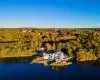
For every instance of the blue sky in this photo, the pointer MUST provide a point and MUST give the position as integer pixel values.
(50, 13)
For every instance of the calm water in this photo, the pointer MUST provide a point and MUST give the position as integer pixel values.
(18, 69)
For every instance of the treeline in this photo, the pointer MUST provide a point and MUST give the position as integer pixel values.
(83, 44)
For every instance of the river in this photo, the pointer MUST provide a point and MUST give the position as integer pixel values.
(18, 69)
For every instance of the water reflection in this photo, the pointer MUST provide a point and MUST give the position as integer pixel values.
(56, 68)
(88, 63)
(13, 60)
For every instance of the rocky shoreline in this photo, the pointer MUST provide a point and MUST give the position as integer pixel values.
(40, 60)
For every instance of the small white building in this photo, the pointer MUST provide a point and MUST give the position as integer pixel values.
(29, 31)
(40, 48)
(24, 31)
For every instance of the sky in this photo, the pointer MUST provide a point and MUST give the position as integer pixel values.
(50, 13)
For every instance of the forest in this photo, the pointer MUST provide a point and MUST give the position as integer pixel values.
(81, 43)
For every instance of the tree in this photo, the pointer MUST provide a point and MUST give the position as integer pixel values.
(54, 46)
(59, 46)
(84, 55)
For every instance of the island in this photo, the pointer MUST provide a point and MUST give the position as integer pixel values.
(51, 58)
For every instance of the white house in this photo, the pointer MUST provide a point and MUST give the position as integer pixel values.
(24, 31)
(55, 56)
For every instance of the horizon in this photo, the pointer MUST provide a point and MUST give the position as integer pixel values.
(50, 13)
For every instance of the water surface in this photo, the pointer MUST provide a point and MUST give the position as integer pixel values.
(18, 69)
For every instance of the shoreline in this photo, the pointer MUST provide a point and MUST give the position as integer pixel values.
(15, 56)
